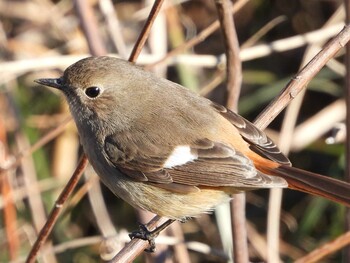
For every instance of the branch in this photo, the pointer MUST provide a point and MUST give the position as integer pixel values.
(140, 42)
(55, 212)
(301, 79)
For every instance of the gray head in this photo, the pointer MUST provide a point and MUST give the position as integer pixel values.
(94, 87)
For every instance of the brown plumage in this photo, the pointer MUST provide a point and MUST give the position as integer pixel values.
(165, 149)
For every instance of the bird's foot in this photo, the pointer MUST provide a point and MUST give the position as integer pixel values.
(145, 234)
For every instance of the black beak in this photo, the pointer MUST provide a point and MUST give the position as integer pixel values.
(54, 83)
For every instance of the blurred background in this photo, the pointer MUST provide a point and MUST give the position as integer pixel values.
(40, 38)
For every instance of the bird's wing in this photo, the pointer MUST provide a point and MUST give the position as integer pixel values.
(183, 168)
(257, 139)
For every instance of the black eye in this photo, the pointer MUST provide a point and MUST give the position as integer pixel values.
(93, 92)
(59, 81)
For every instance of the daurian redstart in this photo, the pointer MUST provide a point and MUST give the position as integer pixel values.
(165, 149)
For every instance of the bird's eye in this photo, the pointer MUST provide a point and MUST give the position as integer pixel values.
(93, 92)
(59, 81)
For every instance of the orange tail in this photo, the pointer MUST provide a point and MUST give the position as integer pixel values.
(315, 184)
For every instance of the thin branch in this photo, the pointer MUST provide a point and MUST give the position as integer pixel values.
(113, 26)
(144, 216)
(40, 143)
(239, 230)
(180, 250)
(55, 212)
(35, 202)
(98, 206)
(90, 27)
(321, 252)
(302, 78)
(200, 37)
(314, 127)
(233, 62)
(234, 81)
(9, 214)
(97, 48)
(140, 42)
(263, 31)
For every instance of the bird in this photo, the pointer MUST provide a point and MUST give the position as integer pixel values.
(165, 149)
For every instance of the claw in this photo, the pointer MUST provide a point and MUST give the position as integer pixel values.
(145, 234)
(150, 236)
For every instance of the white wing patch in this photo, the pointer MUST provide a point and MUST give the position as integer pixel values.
(180, 155)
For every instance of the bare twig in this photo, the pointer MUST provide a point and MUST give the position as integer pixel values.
(146, 30)
(97, 48)
(218, 77)
(200, 37)
(113, 26)
(90, 28)
(9, 216)
(303, 78)
(99, 208)
(239, 230)
(234, 80)
(233, 62)
(321, 252)
(55, 212)
(40, 143)
(263, 31)
(180, 250)
(144, 216)
(314, 127)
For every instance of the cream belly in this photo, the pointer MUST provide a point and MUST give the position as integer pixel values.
(168, 204)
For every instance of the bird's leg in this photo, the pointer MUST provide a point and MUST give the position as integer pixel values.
(145, 234)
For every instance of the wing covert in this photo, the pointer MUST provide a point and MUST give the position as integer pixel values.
(258, 140)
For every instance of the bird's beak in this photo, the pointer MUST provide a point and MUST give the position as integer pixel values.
(54, 83)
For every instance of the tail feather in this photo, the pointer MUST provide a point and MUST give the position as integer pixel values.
(327, 187)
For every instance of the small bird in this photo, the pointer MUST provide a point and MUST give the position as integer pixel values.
(165, 149)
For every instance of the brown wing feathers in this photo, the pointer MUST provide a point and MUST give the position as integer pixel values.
(297, 179)
(259, 142)
(217, 164)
